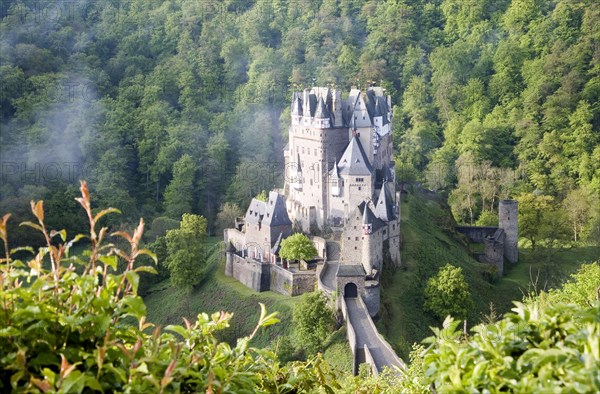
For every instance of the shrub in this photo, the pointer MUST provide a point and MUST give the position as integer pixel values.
(75, 323)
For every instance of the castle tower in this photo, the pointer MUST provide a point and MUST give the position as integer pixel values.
(508, 215)
(229, 259)
(367, 230)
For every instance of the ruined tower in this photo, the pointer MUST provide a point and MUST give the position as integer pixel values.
(508, 214)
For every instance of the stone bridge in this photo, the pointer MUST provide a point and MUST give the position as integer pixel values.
(367, 345)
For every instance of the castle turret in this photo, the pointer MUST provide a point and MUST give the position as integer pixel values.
(338, 121)
(229, 252)
(367, 230)
(508, 215)
(322, 116)
(306, 104)
(297, 109)
(335, 180)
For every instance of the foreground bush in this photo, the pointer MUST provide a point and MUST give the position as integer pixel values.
(76, 324)
(542, 347)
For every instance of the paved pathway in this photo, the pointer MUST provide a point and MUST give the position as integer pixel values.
(366, 334)
(328, 278)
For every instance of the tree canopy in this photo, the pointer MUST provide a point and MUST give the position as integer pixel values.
(297, 247)
(447, 293)
(186, 257)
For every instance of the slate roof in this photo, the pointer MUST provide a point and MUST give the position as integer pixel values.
(276, 213)
(368, 217)
(385, 206)
(335, 172)
(255, 212)
(354, 160)
(322, 112)
(297, 104)
(346, 270)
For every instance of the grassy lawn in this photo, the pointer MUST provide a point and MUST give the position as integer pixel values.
(428, 243)
(217, 292)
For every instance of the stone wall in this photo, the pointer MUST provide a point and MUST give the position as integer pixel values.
(476, 234)
(350, 334)
(320, 245)
(494, 250)
(291, 283)
(372, 297)
(250, 273)
(236, 237)
(369, 360)
(263, 276)
(508, 217)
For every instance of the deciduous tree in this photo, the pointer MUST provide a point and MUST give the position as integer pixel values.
(186, 259)
(297, 247)
(447, 293)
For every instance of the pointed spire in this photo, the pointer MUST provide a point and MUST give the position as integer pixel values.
(384, 209)
(335, 172)
(378, 110)
(297, 104)
(367, 220)
(322, 112)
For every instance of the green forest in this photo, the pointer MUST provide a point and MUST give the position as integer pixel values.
(168, 107)
(177, 111)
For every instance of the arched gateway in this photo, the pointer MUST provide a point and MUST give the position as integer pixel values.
(350, 290)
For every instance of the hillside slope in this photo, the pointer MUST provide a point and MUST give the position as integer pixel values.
(428, 243)
(217, 292)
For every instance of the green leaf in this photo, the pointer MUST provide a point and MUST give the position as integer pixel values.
(149, 253)
(104, 212)
(134, 306)
(145, 268)
(134, 280)
(62, 233)
(111, 261)
(32, 225)
(267, 320)
(179, 330)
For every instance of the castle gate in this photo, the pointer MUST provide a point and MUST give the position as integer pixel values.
(350, 290)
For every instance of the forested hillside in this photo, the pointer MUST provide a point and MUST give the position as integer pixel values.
(177, 106)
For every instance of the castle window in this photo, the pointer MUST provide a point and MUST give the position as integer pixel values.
(348, 238)
(360, 179)
(302, 150)
(355, 248)
(359, 188)
(355, 227)
(356, 238)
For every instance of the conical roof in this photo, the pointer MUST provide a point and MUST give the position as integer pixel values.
(385, 208)
(354, 160)
(297, 104)
(322, 112)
